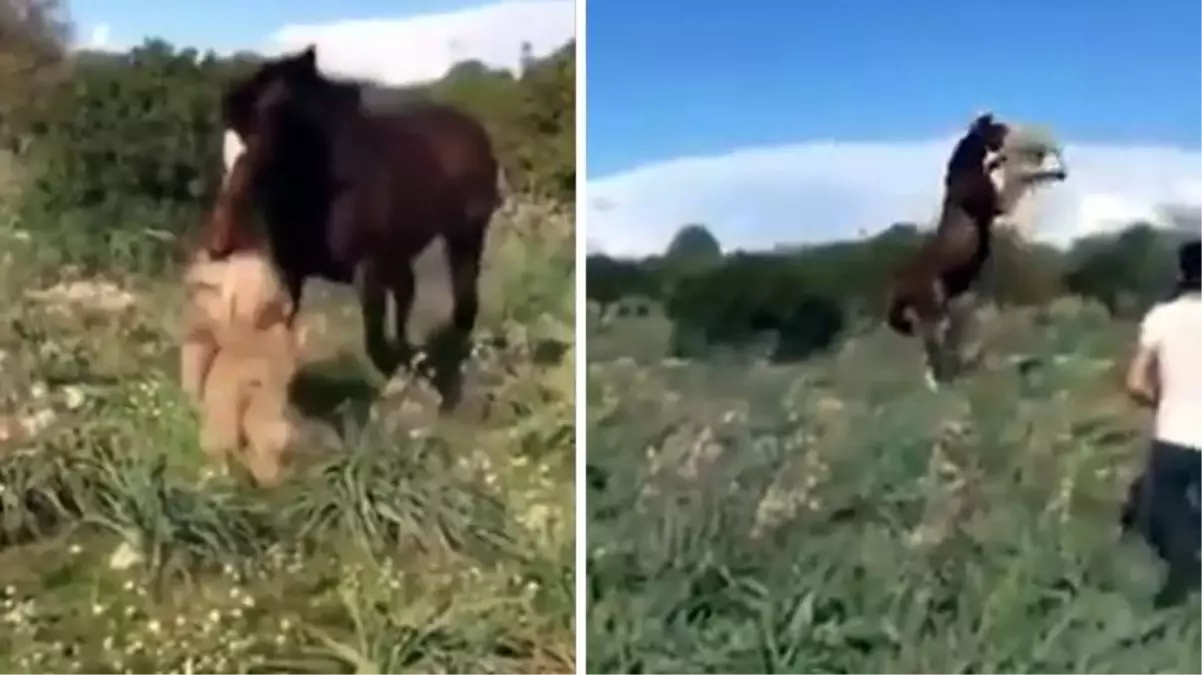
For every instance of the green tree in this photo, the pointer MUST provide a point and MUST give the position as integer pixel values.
(746, 295)
(548, 122)
(694, 244)
(1125, 272)
(33, 46)
(608, 280)
(129, 143)
(531, 116)
(1022, 273)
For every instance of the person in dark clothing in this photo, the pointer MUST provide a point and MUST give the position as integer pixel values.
(1162, 504)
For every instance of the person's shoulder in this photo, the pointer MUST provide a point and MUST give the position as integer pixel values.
(1158, 310)
(1182, 308)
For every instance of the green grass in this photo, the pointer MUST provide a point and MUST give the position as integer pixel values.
(401, 542)
(836, 516)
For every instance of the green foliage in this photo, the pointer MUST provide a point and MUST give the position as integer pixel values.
(806, 294)
(532, 118)
(1127, 273)
(1023, 274)
(130, 145)
(33, 40)
(749, 294)
(610, 279)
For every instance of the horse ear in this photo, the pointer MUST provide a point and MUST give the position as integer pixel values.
(308, 58)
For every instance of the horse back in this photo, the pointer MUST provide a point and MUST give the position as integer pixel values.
(441, 156)
(390, 180)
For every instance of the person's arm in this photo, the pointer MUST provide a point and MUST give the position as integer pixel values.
(1143, 384)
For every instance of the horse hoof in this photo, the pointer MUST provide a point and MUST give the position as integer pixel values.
(973, 361)
(931, 382)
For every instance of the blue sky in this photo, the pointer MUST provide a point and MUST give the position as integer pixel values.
(674, 77)
(234, 24)
(392, 41)
(803, 121)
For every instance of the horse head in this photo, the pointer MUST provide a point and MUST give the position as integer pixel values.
(284, 100)
(267, 88)
(1033, 160)
(994, 133)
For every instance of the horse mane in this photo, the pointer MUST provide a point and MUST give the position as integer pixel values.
(312, 93)
(327, 101)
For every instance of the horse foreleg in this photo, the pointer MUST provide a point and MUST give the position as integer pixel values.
(463, 258)
(373, 304)
(402, 285)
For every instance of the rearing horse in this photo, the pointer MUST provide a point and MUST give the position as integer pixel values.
(929, 291)
(353, 196)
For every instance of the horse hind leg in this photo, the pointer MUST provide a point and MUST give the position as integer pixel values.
(932, 327)
(962, 338)
(934, 345)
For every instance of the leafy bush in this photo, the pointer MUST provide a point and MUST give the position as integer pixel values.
(807, 296)
(748, 295)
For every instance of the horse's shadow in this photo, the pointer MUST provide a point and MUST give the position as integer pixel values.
(335, 391)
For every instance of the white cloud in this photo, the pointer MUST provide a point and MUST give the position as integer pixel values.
(407, 49)
(815, 191)
(423, 47)
(99, 37)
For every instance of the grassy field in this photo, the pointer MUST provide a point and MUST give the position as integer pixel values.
(836, 516)
(401, 543)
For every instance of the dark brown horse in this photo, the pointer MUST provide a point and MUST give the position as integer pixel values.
(927, 288)
(931, 293)
(353, 196)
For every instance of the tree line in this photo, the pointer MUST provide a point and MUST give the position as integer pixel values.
(118, 152)
(811, 295)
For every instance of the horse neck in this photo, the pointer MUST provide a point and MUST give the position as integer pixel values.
(330, 107)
